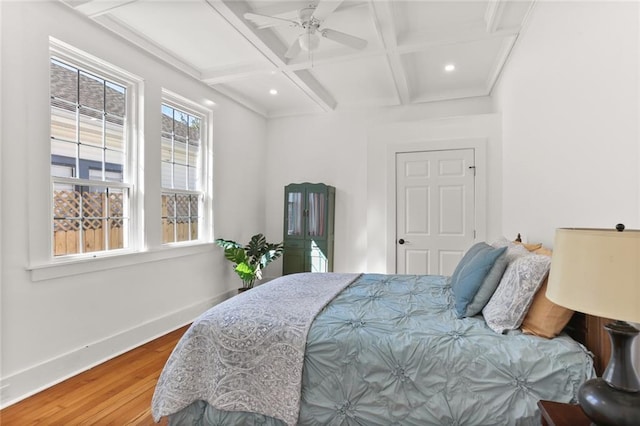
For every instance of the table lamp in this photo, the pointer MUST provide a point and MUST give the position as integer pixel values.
(597, 271)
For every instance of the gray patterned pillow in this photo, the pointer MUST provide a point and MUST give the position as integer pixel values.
(514, 250)
(509, 304)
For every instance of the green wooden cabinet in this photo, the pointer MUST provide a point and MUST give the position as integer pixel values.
(308, 228)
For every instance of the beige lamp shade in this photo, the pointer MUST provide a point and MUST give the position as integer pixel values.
(597, 271)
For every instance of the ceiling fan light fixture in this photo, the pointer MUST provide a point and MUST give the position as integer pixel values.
(309, 41)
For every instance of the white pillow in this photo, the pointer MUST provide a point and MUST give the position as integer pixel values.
(509, 304)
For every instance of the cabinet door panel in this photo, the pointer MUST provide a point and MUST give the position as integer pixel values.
(295, 258)
(294, 214)
(317, 214)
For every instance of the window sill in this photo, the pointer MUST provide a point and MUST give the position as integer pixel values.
(103, 262)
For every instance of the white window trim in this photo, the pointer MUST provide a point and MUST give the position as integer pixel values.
(205, 234)
(42, 265)
(133, 175)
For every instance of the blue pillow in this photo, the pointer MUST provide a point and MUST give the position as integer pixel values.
(473, 250)
(488, 286)
(471, 273)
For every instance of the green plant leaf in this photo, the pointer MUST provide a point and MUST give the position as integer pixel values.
(249, 260)
(235, 254)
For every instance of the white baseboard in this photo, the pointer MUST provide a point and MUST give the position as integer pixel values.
(32, 380)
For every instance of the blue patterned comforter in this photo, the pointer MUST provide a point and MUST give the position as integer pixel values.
(389, 350)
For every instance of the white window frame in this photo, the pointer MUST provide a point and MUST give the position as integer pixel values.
(205, 223)
(101, 69)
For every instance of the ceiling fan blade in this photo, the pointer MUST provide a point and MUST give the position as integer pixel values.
(325, 8)
(294, 49)
(264, 21)
(342, 38)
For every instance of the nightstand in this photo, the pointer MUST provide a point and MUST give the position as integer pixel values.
(560, 414)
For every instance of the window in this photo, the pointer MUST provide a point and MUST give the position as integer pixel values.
(90, 157)
(182, 173)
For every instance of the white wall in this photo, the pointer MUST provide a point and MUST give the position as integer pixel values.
(54, 328)
(570, 102)
(342, 149)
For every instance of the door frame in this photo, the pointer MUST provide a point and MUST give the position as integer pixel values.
(479, 145)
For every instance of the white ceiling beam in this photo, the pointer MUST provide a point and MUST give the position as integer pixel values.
(500, 62)
(237, 72)
(273, 49)
(420, 40)
(493, 14)
(386, 31)
(95, 8)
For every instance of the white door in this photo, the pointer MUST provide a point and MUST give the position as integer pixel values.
(435, 211)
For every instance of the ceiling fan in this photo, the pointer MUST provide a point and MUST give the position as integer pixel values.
(310, 20)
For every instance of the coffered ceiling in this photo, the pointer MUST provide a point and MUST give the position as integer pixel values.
(408, 45)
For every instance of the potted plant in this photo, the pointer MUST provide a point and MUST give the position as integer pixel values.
(251, 259)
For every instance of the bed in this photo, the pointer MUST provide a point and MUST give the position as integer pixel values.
(365, 349)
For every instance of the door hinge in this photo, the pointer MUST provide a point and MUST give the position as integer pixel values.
(474, 169)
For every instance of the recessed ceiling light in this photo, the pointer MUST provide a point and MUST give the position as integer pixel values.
(209, 102)
(449, 67)
(273, 91)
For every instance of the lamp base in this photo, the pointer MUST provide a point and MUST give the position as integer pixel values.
(607, 406)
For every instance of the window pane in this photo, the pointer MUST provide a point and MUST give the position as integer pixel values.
(93, 225)
(194, 155)
(194, 229)
(62, 171)
(180, 125)
(116, 233)
(180, 152)
(182, 205)
(115, 99)
(115, 165)
(195, 203)
(66, 220)
(168, 231)
(166, 199)
(167, 119)
(65, 237)
(63, 121)
(166, 175)
(114, 135)
(179, 176)
(66, 150)
(194, 129)
(90, 127)
(91, 91)
(64, 81)
(166, 148)
(182, 229)
(115, 203)
(66, 202)
(171, 206)
(92, 158)
(194, 183)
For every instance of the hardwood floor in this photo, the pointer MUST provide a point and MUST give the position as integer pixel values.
(117, 392)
